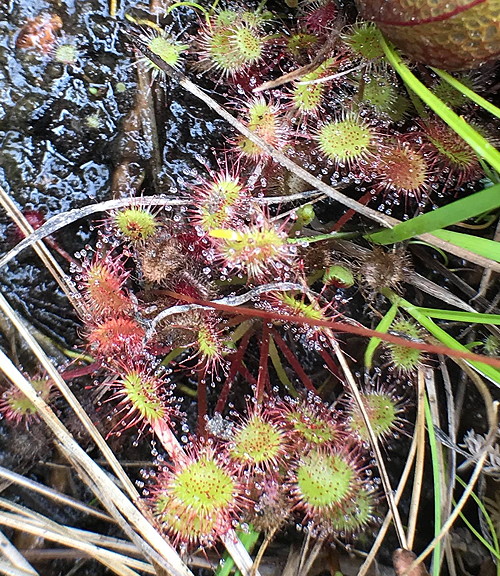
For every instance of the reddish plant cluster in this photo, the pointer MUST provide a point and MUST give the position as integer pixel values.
(151, 292)
(286, 460)
(321, 90)
(228, 296)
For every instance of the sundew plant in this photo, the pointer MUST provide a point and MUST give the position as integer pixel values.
(297, 339)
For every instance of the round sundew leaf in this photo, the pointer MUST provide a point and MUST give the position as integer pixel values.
(136, 223)
(204, 486)
(312, 428)
(143, 393)
(403, 169)
(247, 44)
(355, 513)
(168, 50)
(345, 140)
(382, 411)
(324, 480)
(257, 441)
(186, 525)
(364, 40)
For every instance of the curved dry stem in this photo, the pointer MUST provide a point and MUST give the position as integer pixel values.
(63, 219)
(389, 494)
(106, 488)
(419, 424)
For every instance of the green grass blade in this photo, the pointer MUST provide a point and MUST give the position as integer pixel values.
(436, 478)
(488, 371)
(382, 326)
(463, 209)
(482, 246)
(477, 142)
(495, 548)
(460, 316)
(479, 100)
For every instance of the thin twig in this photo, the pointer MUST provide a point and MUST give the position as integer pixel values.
(419, 436)
(51, 493)
(353, 387)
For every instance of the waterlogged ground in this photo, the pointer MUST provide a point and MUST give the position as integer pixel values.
(64, 132)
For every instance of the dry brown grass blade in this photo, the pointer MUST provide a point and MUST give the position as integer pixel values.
(419, 425)
(42, 251)
(170, 560)
(492, 415)
(389, 494)
(30, 522)
(126, 550)
(52, 494)
(419, 436)
(16, 559)
(10, 570)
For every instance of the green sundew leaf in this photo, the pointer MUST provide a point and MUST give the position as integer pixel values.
(479, 100)
(460, 316)
(382, 326)
(463, 209)
(482, 246)
(477, 142)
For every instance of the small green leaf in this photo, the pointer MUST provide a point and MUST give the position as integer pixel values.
(382, 326)
(463, 209)
(460, 316)
(482, 246)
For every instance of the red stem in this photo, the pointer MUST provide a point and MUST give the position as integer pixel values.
(343, 327)
(243, 370)
(292, 360)
(350, 213)
(331, 364)
(168, 440)
(236, 362)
